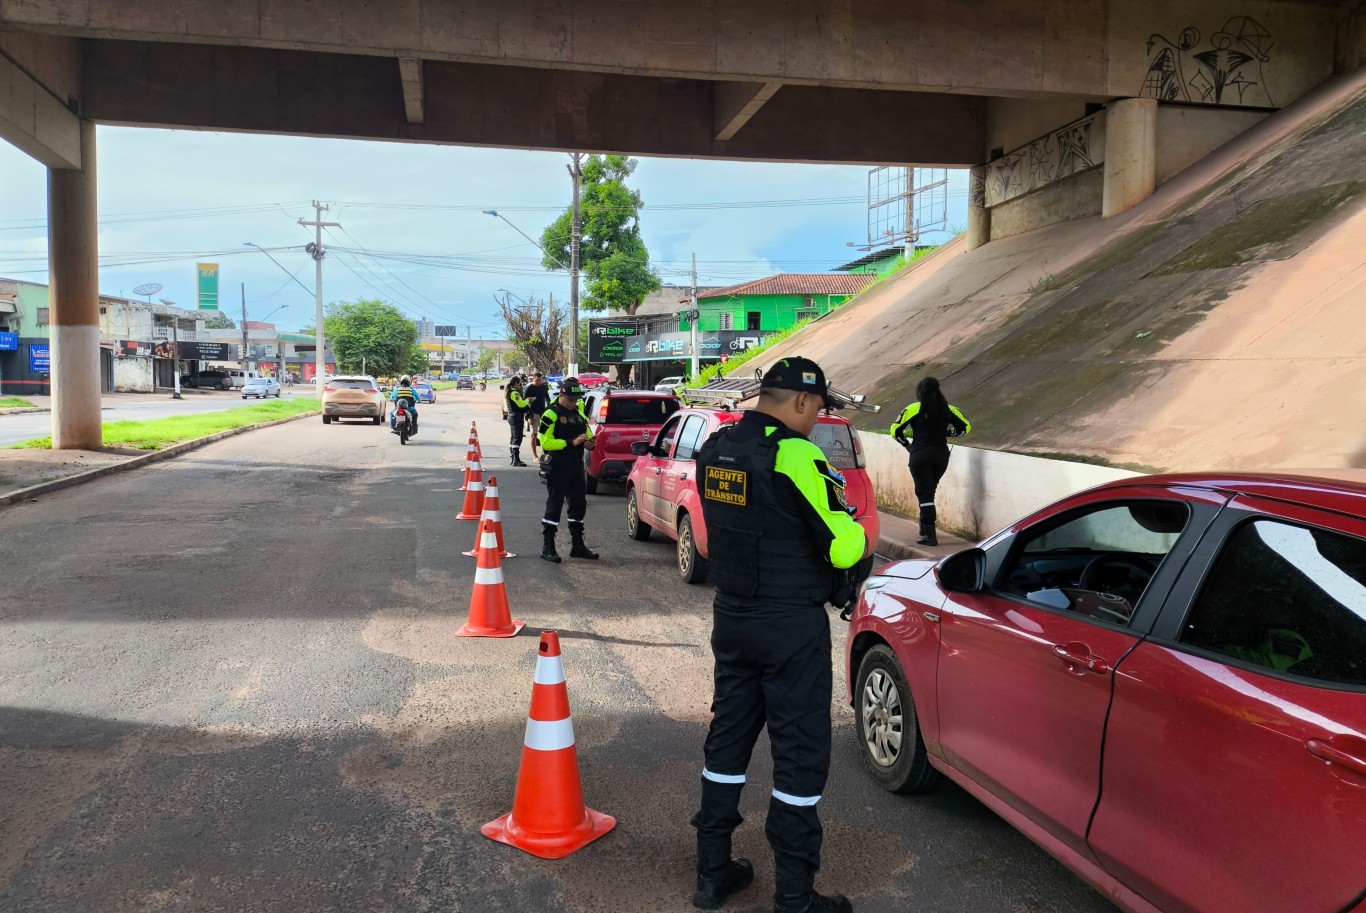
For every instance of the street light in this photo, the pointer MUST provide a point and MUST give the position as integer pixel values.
(573, 366)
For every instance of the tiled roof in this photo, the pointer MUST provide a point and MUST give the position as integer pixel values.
(798, 284)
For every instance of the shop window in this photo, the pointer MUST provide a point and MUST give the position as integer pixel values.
(752, 320)
(42, 316)
(725, 320)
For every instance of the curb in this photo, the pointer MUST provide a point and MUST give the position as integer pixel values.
(156, 456)
(24, 410)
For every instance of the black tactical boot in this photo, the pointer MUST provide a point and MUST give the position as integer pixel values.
(712, 891)
(813, 903)
(927, 533)
(579, 549)
(517, 457)
(548, 550)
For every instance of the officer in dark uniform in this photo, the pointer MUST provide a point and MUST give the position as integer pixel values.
(930, 421)
(783, 543)
(564, 437)
(517, 407)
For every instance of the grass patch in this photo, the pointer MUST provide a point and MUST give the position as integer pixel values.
(162, 432)
(443, 385)
(14, 402)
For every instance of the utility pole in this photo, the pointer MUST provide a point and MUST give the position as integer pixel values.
(695, 318)
(576, 174)
(175, 354)
(316, 250)
(908, 250)
(244, 327)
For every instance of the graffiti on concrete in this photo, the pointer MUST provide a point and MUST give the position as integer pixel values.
(1226, 71)
(1061, 154)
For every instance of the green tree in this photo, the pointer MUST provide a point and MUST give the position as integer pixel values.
(487, 357)
(515, 361)
(372, 336)
(615, 263)
(219, 321)
(537, 330)
(419, 363)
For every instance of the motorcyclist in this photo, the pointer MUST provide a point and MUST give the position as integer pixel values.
(404, 391)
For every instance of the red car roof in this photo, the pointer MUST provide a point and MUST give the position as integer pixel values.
(1342, 490)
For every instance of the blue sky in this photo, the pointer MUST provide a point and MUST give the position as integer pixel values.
(412, 231)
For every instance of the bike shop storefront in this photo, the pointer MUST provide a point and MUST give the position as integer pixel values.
(658, 354)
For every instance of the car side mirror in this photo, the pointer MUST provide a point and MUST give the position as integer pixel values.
(641, 448)
(963, 572)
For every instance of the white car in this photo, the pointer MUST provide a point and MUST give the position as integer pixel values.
(670, 384)
(262, 388)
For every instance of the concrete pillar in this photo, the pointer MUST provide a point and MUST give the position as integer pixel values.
(979, 217)
(1130, 154)
(73, 255)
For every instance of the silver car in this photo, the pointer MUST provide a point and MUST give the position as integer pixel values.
(261, 387)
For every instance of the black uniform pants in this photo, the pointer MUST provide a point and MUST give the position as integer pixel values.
(566, 484)
(771, 669)
(927, 468)
(516, 425)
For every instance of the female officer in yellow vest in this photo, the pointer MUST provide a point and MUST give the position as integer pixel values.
(930, 421)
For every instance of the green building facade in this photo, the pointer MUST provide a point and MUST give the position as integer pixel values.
(776, 303)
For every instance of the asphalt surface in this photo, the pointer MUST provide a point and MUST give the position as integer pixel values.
(229, 682)
(29, 425)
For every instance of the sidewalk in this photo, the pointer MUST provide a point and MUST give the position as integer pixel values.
(898, 540)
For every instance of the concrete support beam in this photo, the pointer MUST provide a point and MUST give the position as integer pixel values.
(34, 120)
(1130, 154)
(979, 217)
(734, 103)
(410, 73)
(73, 245)
(347, 95)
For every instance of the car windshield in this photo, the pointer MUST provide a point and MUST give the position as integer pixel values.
(836, 441)
(422, 386)
(640, 410)
(349, 383)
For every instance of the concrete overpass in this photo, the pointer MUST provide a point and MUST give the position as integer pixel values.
(1058, 103)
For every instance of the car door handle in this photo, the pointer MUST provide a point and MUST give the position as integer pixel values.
(658, 470)
(1079, 658)
(682, 475)
(1331, 754)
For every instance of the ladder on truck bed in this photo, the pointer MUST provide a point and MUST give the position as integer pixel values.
(729, 392)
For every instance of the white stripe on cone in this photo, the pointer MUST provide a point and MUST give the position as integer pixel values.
(494, 515)
(475, 485)
(489, 540)
(549, 736)
(473, 465)
(488, 576)
(549, 670)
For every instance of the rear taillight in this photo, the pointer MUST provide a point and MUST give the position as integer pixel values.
(602, 413)
(329, 389)
(860, 461)
(371, 391)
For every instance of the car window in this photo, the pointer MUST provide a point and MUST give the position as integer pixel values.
(339, 383)
(640, 410)
(664, 443)
(836, 441)
(1289, 599)
(1095, 562)
(690, 441)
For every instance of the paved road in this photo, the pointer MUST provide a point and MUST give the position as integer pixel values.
(29, 425)
(229, 683)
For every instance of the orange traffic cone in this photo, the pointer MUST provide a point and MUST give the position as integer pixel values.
(489, 612)
(474, 441)
(474, 495)
(494, 516)
(548, 817)
(471, 464)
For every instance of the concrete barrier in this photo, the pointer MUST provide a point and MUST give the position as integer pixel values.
(984, 490)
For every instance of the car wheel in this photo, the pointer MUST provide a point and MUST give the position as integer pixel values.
(692, 567)
(327, 419)
(377, 420)
(244, 396)
(636, 528)
(887, 728)
(221, 386)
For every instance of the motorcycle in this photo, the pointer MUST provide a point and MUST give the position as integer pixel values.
(403, 425)
(483, 386)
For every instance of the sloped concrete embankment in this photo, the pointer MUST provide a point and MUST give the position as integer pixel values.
(1216, 325)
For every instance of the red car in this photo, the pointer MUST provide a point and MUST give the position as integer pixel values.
(620, 418)
(589, 379)
(661, 490)
(1161, 681)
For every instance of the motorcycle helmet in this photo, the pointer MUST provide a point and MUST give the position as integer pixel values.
(405, 380)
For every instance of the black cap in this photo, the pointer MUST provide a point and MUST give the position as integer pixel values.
(800, 374)
(570, 386)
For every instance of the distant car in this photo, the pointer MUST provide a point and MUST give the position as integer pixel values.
(1161, 681)
(353, 396)
(661, 488)
(670, 384)
(217, 380)
(619, 418)
(464, 383)
(262, 388)
(590, 379)
(424, 391)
